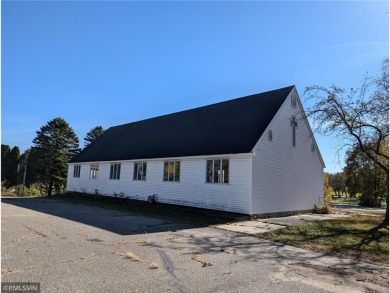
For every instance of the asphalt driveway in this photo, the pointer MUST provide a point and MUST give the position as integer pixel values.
(76, 248)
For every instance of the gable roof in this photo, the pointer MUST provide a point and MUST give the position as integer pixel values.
(229, 127)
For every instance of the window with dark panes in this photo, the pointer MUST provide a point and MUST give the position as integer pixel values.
(76, 171)
(115, 171)
(225, 171)
(217, 171)
(139, 171)
(209, 171)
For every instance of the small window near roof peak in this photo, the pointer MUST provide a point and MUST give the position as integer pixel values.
(270, 135)
(294, 100)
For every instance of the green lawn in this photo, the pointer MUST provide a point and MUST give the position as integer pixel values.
(358, 236)
(347, 200)
(355, 200)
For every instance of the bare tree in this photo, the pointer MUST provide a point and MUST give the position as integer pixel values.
(358, 117)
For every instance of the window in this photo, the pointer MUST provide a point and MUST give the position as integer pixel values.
(139, 171)
(171, 171)
(217, 171)
(94, 172)
(312, 147)
(76, 171)
(270, 135)
(294, 125)
(294, 100)
(115, 171)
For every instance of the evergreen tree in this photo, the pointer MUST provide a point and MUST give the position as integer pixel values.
(93, 135)
(9, 165)
(14, 159)
(55, 144)
(5, 161)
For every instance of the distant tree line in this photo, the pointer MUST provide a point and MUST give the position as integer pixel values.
(361, 178)
(43, 167)
(364, 177)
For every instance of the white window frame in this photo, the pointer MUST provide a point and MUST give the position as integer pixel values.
(115, 171)
(220, 180)
(76, 171)
(167, 175)
(139, 171)
(94, 171)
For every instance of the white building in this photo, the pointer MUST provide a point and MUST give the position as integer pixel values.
(251, 155)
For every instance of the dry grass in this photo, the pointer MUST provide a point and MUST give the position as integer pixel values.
(131, 256)
(360, 236)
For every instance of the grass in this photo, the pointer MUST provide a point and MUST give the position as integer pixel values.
(193, 215)
(347, 200)
(353, 200)
(360, 236)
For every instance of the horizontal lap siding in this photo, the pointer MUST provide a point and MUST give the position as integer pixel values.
(190, 191)
(286, 178)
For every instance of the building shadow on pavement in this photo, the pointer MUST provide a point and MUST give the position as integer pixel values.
(120, 222)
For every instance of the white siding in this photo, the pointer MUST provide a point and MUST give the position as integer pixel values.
(192, 190)
(286, 178)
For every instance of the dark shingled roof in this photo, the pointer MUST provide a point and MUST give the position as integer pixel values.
(229, 127)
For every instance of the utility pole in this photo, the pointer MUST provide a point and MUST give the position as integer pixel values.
(23, 164)
(24, 177)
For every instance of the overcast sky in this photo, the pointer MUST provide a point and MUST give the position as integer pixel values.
(110, 63)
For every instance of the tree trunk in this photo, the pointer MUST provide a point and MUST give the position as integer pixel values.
(386, 220)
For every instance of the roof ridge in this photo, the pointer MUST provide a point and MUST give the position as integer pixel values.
(204, 106)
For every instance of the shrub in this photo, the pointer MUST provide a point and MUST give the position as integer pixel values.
(5, 191)
(33, 190)
(320, 208)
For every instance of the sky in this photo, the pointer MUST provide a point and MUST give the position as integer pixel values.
(109, 63)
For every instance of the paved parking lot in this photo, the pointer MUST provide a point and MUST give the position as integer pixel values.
(77, 248)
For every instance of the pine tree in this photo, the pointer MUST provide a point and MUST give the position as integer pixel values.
(14, 158)
(55, 144)
(5, 161)
(92, 135)
(9, 165)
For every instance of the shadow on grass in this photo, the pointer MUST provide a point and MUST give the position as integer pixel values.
(375, 234)
(363, 237)
(122, 216)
